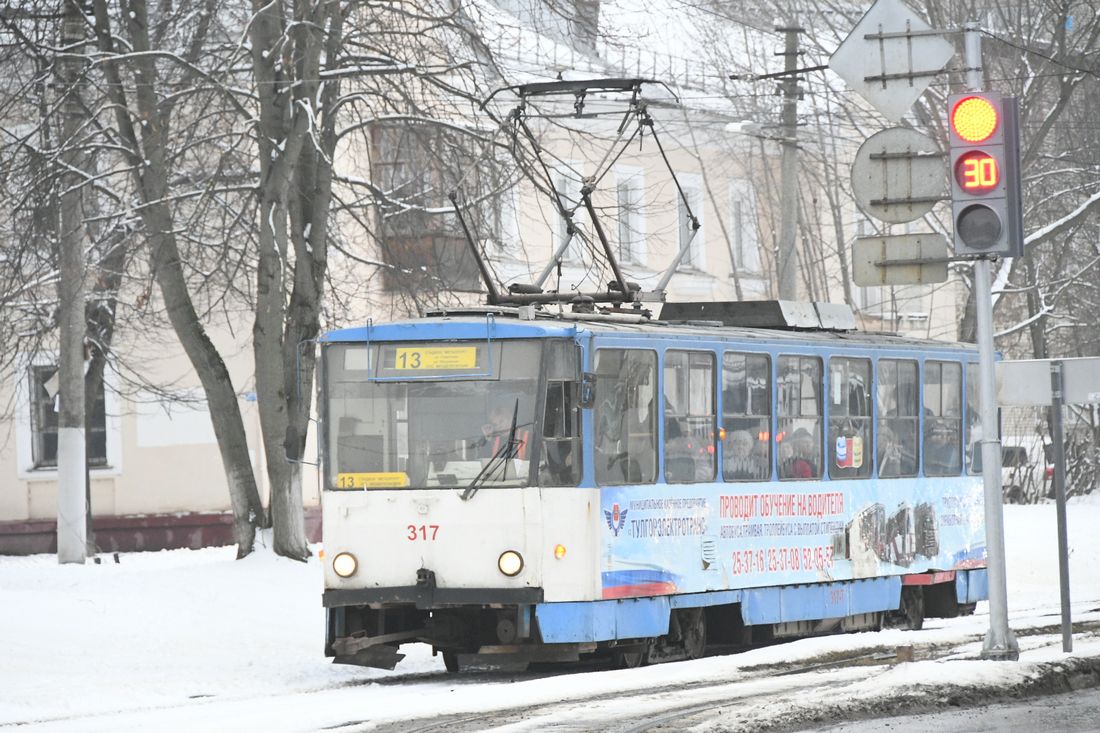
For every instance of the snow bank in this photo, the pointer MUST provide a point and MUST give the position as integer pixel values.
(160, 629)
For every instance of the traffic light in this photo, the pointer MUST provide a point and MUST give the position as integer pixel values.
(986, 207)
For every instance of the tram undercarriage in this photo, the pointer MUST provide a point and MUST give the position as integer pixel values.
(506, 637)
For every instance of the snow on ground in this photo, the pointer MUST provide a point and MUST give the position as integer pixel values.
(184, 639)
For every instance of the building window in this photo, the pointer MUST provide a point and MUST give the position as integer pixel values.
(420, 238)
(742, 228)
(873, 300)
(568, 185)
(693, 256)
(44, 385)
(628, 191)
(506, 232)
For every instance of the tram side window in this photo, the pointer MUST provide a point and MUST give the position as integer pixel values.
(560, 464)
(942, 418)
(798, 440)
(973, 421)
(898, 444)
(746, 417)
(690, 416)
(849, 440)
(625, 416)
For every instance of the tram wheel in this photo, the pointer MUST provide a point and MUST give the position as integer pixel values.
(693, 631)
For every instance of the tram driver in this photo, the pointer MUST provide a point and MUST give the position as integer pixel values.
(497, 430)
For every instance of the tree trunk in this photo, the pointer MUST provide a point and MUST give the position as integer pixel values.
(295, 148)
(277, 55)
(225, 412)
(147, 157)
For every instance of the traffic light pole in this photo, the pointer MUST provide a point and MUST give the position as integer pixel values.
(1000, 642)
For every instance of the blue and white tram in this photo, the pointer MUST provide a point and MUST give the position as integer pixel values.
(511, 489)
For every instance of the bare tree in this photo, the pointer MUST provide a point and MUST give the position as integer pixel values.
(218, 127)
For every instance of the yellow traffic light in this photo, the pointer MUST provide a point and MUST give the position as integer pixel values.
(984, 169)
(974, 119)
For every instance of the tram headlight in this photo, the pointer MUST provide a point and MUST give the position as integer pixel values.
(510, 563)
(345, 565)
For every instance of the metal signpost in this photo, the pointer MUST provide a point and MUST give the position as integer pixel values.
(877, 60)
(1055, 383)
(1000, 642)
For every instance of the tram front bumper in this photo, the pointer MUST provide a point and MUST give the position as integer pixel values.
(426, 595)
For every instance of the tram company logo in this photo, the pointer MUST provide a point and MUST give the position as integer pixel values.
(616, 518)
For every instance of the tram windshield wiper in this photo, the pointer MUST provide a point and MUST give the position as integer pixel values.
(499, 460)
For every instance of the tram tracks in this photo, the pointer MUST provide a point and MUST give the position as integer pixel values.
(748, 694)
(640, 711)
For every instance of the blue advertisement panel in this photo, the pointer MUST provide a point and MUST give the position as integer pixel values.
(661, 539)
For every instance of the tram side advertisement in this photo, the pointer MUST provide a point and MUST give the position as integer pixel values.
(690, 538)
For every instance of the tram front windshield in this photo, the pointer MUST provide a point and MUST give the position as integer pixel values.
(427, 415)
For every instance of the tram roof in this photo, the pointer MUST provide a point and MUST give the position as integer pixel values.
(507, 323)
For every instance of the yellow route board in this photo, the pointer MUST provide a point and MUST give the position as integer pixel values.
(435, 357)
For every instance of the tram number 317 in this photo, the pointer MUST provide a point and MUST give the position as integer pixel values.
(422, 532)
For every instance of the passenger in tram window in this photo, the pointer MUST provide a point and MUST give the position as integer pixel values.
(742, 463)
(941, 453)
(889, 453)
(799, 462)
(762, 457)
(897, 449)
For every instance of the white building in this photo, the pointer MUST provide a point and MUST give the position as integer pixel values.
(155, 471)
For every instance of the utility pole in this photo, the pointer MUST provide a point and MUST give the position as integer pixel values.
(72, 503)
(787, 266)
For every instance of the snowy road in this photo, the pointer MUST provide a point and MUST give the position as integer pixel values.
(784, 684)
(195, 641)
(1076, 712)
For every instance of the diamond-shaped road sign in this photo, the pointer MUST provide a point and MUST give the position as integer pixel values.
(877, 58)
